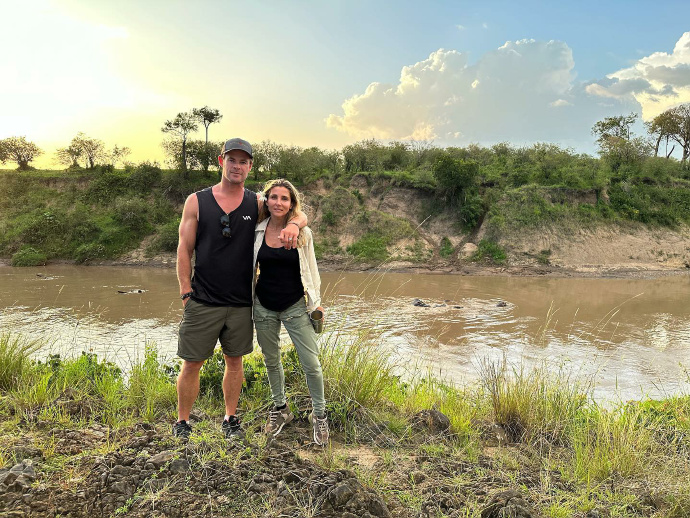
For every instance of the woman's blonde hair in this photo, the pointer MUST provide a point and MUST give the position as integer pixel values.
(295, 202)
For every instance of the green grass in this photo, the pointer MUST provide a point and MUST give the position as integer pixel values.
(585, 455)
(489, 251)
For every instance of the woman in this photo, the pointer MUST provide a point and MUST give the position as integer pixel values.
(284, 277)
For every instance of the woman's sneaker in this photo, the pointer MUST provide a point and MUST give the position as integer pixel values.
(182, 430)
(232, 428)
(320, 425)
(277, 418)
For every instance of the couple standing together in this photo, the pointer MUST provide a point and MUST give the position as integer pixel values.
(222, 224)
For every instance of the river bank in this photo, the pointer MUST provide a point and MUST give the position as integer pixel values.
(97, 444)
(78, 439)
(650, 270)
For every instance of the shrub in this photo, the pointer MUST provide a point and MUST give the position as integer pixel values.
(132, 214)
(29, 256)
(489, 250)
(144, 177)
(370, 248)
(446, 249)
(90, 251)
(166, 238)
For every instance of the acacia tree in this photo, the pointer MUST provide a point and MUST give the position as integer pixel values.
(617, 144)
(119, 153)
(19, 150)
(663, 127)
(207, 116)
(681, 116)
(182, 125)
(90, 150)
(69, 156)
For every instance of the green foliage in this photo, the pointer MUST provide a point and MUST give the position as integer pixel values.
(471, 210)
(337, 204)
(651, 204)
(15, 358)
(150, 393)
(370, 247)
(29, 256)
(144, 177)
(446, 249)
(455, 176)
(132, 214)
(166, 238)
(489, 251)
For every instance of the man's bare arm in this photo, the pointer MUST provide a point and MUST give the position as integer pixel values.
(186, 243)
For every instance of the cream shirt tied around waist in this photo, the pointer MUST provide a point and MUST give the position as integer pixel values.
(308, 270)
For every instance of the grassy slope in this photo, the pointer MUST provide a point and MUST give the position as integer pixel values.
(94, 215)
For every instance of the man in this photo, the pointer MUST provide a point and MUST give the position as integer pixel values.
(218, 225)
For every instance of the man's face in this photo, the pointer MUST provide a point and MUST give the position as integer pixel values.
(236, 166)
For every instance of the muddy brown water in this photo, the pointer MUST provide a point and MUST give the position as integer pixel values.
(631, 335)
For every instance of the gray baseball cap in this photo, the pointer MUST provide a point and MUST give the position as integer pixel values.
(238, 143)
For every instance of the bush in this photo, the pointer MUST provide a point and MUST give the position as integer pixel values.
(144, 177)
(90, 251)
(488, 250)
(446, 249)
(370, 248)
(29, 256)
(166, 238)
(132, 214)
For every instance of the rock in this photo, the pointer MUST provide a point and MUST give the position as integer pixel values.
(431, 420)
(501, 304)
(468, 249)
(341, 494)
(593, 514)
(417, 477)
(420, 303)
(507, 503)
(179, 466)
(159, 459)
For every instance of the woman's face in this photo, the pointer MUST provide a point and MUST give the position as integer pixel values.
(279, 202)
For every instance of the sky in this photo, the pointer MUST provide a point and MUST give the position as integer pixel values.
(330, 73)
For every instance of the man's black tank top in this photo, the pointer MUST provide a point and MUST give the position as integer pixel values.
(224, 269)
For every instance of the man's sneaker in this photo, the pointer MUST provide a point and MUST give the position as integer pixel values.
(277, 419)
(320, 425)
(182, 430)
(232, 429)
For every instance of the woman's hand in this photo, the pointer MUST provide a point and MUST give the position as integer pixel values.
(288, 236)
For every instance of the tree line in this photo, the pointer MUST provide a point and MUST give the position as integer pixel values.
(618, 146)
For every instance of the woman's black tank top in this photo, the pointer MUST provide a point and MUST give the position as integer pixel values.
(224, 270)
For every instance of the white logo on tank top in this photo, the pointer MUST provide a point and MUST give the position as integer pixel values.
(247, 218)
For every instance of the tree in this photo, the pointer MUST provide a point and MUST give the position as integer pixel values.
(454, 176)
(266, 157)
(201, 155)
(182, 125)
(19, 150)
(663, 127)
(69, 156)
(617, 144)
(119, 153)
(616, 127)
(207, 116)
(92, 150)
(681, 134)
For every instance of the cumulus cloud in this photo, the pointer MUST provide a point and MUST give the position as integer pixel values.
(522, 92)
(657, 82)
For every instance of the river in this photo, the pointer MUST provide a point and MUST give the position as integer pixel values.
(631, 335)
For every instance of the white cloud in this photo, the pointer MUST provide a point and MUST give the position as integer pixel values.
(460, 27)
(509, 94)
(657, 82)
